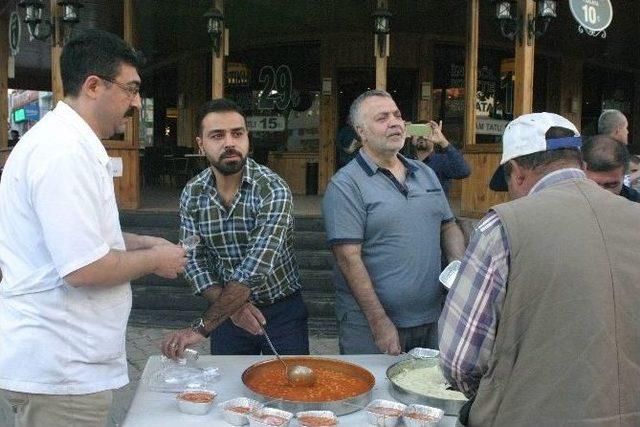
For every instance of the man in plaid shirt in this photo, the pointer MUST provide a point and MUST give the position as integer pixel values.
(244, 264)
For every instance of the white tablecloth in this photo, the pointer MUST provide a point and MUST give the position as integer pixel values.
(153, 409)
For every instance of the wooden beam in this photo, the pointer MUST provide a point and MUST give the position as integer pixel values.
(471, 72)
(328, 114)
(381, 57)
(128, 185)
(381, 73)
(571, 90)
(4, 77)
(129, 23)
(57, 39)
(525, 49)
(425, 77)
(217, 61)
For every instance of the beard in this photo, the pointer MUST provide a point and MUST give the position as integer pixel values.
(229, 168)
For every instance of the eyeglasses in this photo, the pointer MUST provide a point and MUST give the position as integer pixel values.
(132, 89)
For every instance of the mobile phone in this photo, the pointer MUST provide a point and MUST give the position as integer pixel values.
(418, 129)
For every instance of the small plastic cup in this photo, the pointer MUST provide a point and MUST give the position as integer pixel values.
(189, 243)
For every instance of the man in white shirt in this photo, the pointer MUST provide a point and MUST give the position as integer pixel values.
(65, 296)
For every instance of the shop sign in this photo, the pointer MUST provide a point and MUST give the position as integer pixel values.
(266, 123)
(487, 87)
(20, 99)
(593, 15)
(238, 74)
(486, 126)
(30, 112)
(117, 167)
(15, 32)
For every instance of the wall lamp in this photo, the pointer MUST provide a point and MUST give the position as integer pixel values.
(381, 30)
(215, 28)
(41, 29)
(512, 24)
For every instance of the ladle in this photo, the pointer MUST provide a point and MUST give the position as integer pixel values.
(297, 375)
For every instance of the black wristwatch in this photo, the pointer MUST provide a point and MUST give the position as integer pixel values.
(198, 326)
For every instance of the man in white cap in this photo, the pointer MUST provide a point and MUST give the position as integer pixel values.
(540, 327)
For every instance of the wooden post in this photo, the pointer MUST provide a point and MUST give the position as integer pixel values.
(471, 72)
(328, 114)
(57, 40)
(525, 48)
(425, 77)
(192, 84)
(381, 57)
(4, 78)
(571, 90)
(217, 62)
(127, 186)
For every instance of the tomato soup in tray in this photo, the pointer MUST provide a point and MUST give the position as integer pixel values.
(345, 384)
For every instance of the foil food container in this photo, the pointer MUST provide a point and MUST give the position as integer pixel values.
(238, 418)
(256, 420)
(449, 274)
(330, 417)
(381, 419)
(338, 407)
(427, 416)
(424, 353)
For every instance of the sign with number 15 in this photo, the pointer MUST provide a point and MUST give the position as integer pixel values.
(265, 123)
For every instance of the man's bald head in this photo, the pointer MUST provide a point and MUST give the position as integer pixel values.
(614, 124)
(606, 161)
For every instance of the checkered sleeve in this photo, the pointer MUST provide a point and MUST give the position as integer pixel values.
(198, 270)
(266, 239)
(467, 326)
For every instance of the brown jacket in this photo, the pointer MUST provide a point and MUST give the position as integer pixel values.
(567, 350)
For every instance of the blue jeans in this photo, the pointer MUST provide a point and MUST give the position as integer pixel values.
(286, 325)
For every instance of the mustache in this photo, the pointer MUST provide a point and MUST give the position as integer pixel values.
(230, 153)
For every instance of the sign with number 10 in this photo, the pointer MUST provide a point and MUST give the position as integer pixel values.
(593, 15)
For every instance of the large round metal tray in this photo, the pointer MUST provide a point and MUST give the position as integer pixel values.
(449, 406)
(339, 407)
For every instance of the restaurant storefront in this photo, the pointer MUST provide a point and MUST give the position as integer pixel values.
(295, 67)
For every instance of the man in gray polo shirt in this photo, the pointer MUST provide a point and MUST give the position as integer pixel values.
(385, 216)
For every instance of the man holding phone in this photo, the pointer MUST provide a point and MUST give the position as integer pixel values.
(434, 150)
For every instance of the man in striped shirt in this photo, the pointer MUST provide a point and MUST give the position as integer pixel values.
(244, 264)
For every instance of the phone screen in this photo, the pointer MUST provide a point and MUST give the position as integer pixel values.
(418, 129)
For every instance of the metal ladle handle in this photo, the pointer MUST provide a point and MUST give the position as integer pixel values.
(274, 350)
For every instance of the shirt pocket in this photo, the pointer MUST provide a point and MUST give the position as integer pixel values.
(429, 203)
(102, 316)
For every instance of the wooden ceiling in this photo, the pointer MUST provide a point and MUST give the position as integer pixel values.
(168, 29)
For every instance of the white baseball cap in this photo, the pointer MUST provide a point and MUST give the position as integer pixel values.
(527, 135)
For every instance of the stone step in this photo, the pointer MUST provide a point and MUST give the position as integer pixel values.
(319, 303)
(132, 219)
(317, 280)
(304, 240)
(159, 219)
(314, 259)
(319, 326)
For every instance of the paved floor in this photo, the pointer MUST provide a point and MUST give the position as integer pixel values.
(143, 342)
